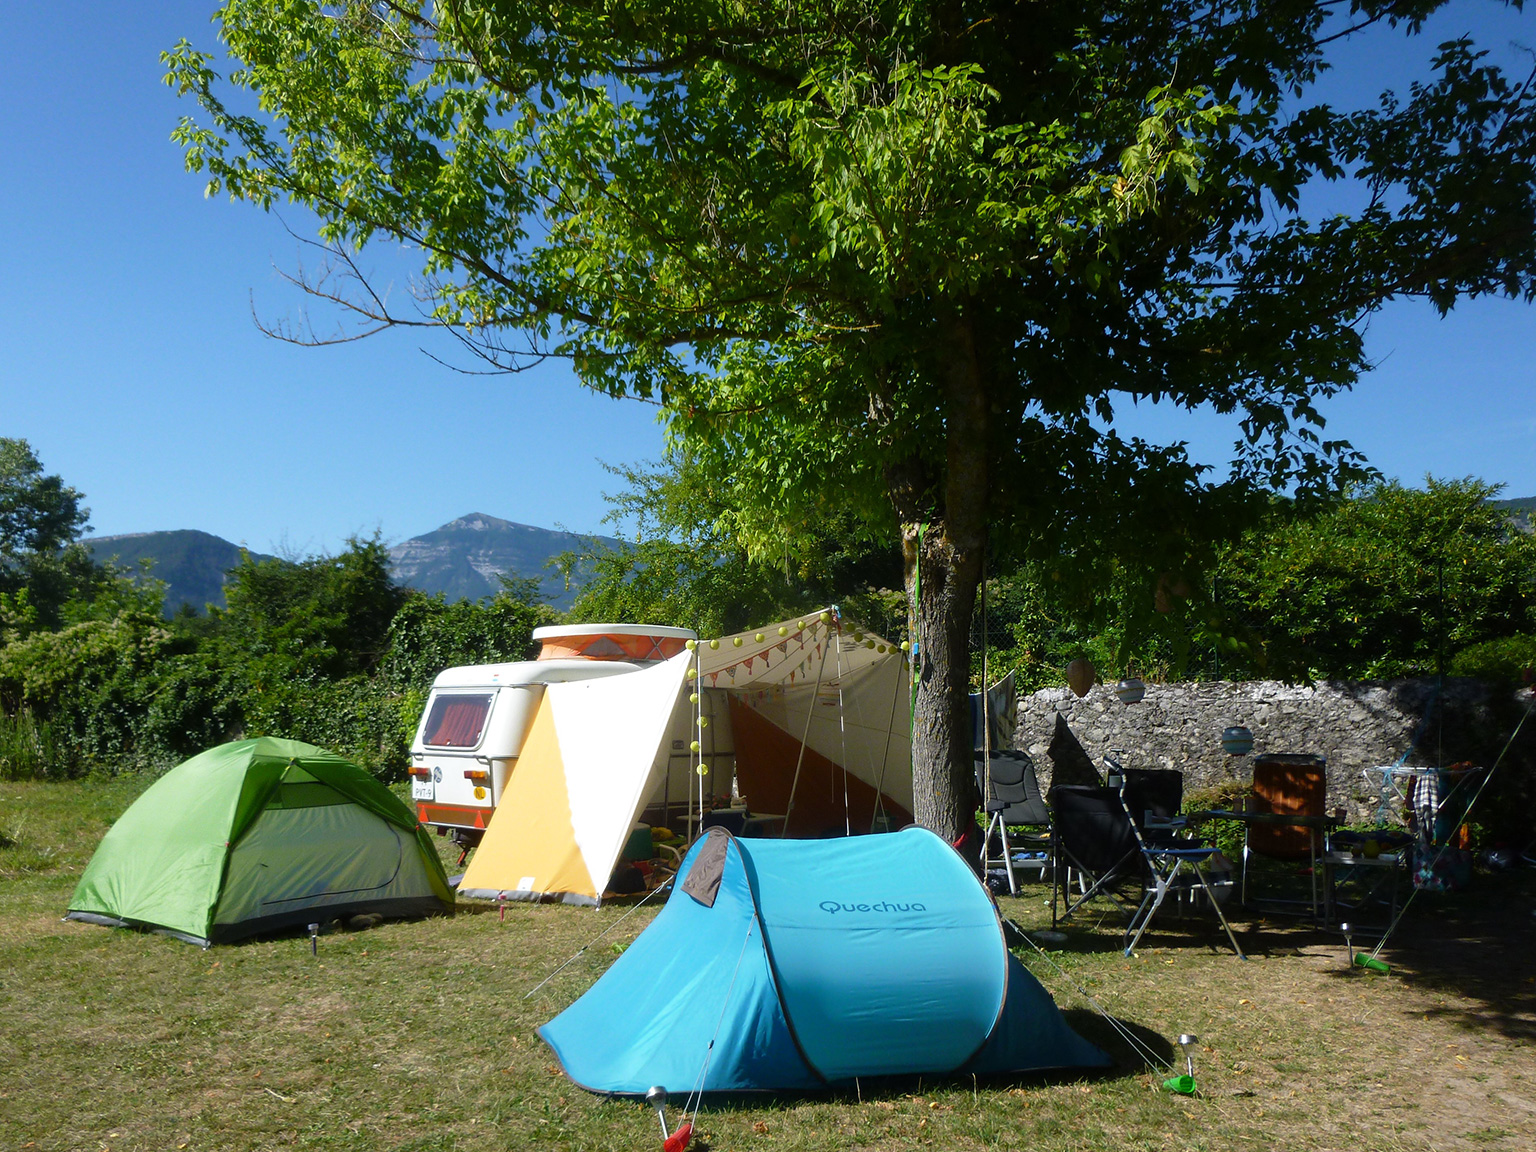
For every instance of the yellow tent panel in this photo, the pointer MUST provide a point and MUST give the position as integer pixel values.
(531, 842)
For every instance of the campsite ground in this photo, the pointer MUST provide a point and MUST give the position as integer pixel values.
(418, 1036)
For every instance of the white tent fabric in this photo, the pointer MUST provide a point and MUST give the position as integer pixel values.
(852, 683)
(610, 732)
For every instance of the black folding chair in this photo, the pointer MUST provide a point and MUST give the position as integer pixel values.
(1165, 859)
(1094, 845)
(1155, 798)
(1011, 796)
(1096, 838)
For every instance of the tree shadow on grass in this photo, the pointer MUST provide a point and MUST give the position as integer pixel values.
(1475, 946)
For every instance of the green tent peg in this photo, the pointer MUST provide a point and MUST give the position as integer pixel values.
(1364, 960)
(1185, 1085)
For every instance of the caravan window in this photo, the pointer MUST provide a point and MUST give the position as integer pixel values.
(456, 721)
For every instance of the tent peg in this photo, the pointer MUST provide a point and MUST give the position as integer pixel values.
(1185, 1085)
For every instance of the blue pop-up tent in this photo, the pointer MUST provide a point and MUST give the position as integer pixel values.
(785, 965)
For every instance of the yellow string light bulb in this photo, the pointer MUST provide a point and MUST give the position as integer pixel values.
(736, 641)
(783, 631)
(703, 721)
(905, 646)
(799, 623)
(694, 747)
(693, 673)
(869, 643)
(758, 637)
(693, 697)
(714, 644)
(690, 644)
(826, 617)
(702, 769)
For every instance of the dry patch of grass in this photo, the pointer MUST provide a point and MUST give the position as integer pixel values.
(416, 1035)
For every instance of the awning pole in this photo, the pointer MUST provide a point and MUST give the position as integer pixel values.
(890, 730)
(806, 734)
(842, 734)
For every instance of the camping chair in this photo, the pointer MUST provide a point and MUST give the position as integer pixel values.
(1155, 798)
(1011, 795)
(1287, 785)
(1165, 859)
(1094, 843)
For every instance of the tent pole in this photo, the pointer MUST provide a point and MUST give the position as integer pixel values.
(986, 695)
(986, 728)
(890, 725)
(806, 734)
(842, 735)
(697, 762)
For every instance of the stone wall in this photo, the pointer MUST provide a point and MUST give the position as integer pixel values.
(1355, 725)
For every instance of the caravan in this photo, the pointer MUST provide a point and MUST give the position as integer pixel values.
(477, 717)
(798, 729)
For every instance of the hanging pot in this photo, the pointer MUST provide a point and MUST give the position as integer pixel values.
(1237, 740)
(1081, 676)
(1130, 690)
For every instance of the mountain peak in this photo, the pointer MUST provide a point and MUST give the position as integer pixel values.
(464, 557)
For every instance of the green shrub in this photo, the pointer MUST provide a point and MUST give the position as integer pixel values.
(30, 751)
(1227, 835)
(1510, 660)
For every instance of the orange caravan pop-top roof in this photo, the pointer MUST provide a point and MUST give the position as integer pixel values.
(638, 643)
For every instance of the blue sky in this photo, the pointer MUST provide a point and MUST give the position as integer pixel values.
(133, 365)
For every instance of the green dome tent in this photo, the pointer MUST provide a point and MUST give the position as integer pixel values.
(255, 836)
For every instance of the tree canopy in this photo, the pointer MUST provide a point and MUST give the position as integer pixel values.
(902, 260)
(1385, 581)
(1394, 582)
(42, 563)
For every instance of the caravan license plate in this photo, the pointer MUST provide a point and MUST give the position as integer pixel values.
(422, 790)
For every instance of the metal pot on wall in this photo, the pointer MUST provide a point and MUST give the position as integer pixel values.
(1237, 740)
(1130, 690)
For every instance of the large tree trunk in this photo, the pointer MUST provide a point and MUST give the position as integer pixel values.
(943, 556)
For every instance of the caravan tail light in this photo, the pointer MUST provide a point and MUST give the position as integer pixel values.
(476, 774)
(417, 770)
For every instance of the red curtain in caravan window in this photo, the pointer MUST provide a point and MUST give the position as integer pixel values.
(456, 721)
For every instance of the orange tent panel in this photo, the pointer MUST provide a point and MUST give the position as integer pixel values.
(765, 773)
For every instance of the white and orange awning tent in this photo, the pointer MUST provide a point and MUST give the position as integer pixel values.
(808, 718)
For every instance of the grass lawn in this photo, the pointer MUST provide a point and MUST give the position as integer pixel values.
(417, 1035)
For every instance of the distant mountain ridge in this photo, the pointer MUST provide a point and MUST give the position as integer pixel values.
(193, 564)
(1521, 510)
(461, 560)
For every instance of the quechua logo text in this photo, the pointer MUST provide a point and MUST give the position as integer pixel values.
(833, 907)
